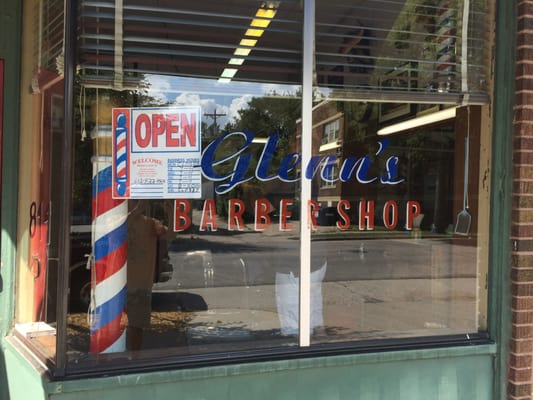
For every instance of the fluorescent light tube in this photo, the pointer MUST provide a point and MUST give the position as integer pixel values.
(418, 121)
(240, 51)
(254, 32)
(248, 42)
(260, 23)
(236, 61)
(228, 73)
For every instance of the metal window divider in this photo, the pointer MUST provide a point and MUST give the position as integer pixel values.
(308, 63)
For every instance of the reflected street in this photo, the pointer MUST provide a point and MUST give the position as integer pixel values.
(248, 259)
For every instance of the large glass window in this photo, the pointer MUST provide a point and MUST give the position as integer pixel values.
(398, 235)
(229, 198)
(201, 260)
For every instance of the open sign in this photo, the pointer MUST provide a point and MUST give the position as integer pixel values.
(165, 129)
(156, 152)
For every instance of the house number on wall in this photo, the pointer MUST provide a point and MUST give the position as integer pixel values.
(38, 215)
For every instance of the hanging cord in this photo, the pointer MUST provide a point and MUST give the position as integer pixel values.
(82, 105)
(467, 144)
(464, 47)
(92, 265)
(91, 311)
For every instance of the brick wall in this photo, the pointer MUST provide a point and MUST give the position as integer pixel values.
(520, 385)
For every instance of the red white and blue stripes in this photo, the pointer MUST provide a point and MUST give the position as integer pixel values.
(120, 151)
(109, 276)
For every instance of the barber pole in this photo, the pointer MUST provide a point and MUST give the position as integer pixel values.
(109, 273)
(120, 138)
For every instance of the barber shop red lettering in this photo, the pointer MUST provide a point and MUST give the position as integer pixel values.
(264, 215)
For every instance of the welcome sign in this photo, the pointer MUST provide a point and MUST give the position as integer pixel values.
(156, 153)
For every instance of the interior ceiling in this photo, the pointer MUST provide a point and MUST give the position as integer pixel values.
(198, 39)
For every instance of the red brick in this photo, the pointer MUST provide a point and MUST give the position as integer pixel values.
(521, 260)
(522, 216)
(523, 71)
(524, 97)
(524, 38)
(525, 23)
(520, 375)
(522, 275)
(522, 201)
(523, 157)
(523, 143)
(520, 360)
(522, 332)
(522, 303)
(522, 187)
(523, 113)
(525, 8)
(522, 317)
(522, 289)
(521, 345)
(523, 389)
(523, 128)
(522, 231)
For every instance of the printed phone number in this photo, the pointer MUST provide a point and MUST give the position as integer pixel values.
(149, 181)
(184, 189)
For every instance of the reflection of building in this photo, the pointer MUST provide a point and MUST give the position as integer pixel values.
(334, 137)
(425, 155)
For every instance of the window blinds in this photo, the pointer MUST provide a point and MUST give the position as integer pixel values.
(192, 39)
(385, 49)
(398, 47)
(49, 23)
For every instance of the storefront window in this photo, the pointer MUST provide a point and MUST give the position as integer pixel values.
(216, 211)
(397, 235)
(201, 259)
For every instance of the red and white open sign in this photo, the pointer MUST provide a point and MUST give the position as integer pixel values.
(156, 152)
(165, 129)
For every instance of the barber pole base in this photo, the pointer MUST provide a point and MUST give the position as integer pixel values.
(109, 274)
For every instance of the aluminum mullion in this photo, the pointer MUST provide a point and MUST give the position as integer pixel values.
(305, 190)
(65, 197)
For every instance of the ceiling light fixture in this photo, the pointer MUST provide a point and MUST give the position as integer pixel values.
(417, 122)
(259, 23)
(268, 10)
(254, 32)
(228, 73)
(248, 42)
(241, 51)
(236, 61)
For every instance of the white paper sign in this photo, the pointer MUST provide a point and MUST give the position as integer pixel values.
(156, 153)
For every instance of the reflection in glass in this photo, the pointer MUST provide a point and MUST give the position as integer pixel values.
(208, 274)
(221, 273)
(398, 47)
(385, 224)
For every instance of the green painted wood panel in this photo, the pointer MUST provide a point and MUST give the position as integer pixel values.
(501, 182)
(463, 373)
(10, 28)
(446, 378)
(21, 379)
